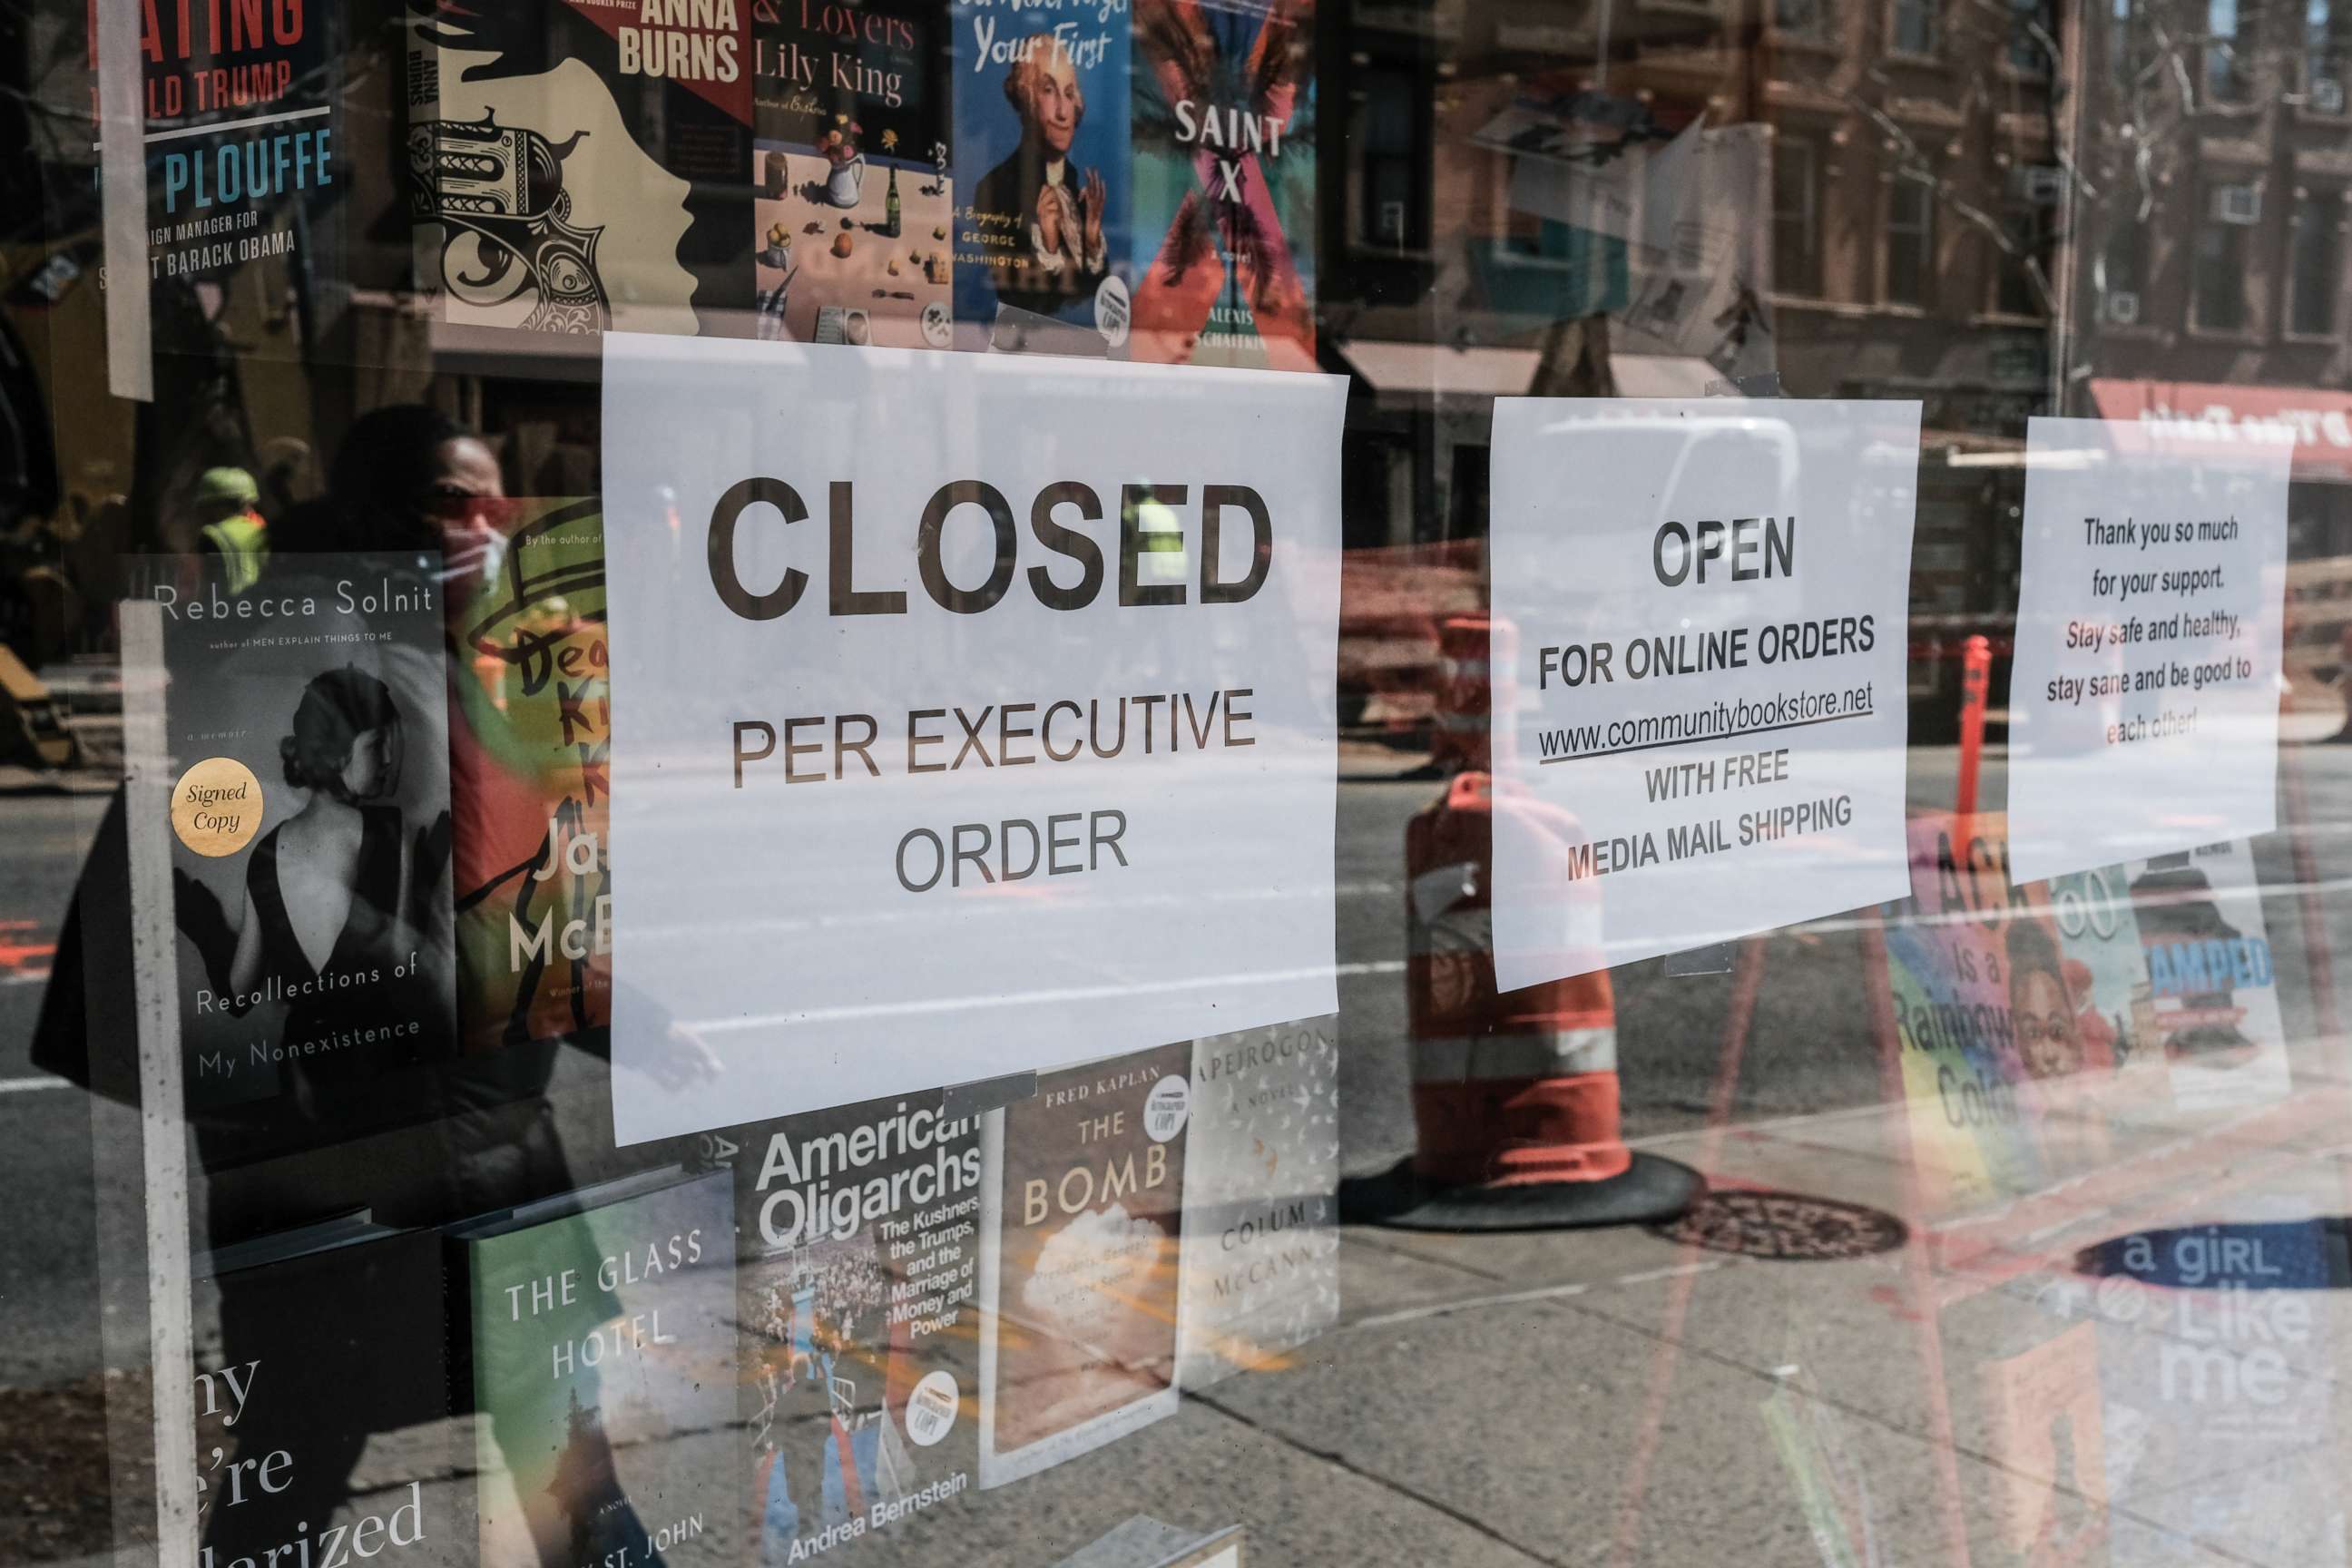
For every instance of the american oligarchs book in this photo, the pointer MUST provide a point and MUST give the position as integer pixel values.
(577, 166)
(321, 1352)
(530, 744)
(852, 183)
(309, 826)
(1261, 1238)
(857, 1303)
(603, 1363)
(243, 110)
(1042, 169)
(1225, 182)
(1080, 1259)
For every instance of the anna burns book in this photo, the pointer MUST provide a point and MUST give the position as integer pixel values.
(1080, 1260)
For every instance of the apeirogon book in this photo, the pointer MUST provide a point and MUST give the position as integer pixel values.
(859, 1279)
(603, 1358)
(1080, 1261)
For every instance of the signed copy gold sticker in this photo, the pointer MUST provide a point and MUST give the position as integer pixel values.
(216, 806)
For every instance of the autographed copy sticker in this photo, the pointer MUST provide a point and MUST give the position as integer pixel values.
(216, 806)
(1698, 658)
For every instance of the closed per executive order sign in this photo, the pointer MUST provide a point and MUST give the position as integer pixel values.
(1699, 715)
(970, 714)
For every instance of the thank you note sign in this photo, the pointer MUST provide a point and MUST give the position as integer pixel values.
(970, 714)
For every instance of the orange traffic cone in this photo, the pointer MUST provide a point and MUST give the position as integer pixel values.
(1515, 1095)
(1469, 646)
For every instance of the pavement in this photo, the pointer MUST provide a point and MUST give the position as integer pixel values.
(1829, 1365)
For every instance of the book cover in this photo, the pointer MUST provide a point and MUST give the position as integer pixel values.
(1973, 1109)
(1261, 1226)
(857, 1303)
(329, 1347)
(2210, 978)
(1225, 182)
(852, 183)
(577, 168)
(2106, 973)
(529, 744)
(309, 821)
(1042, 250)
(1079, 1262)
(2050, 1497)
(604, 1377)
(242, 106)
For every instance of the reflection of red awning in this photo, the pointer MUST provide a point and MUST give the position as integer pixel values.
(2321, 421)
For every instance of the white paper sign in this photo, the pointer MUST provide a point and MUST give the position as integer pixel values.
(2143, 698)
(1700, 718)
(945, 744)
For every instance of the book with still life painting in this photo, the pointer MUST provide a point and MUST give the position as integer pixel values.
(576, 167)
(1225, 182)
(1041, 161)
(310, 830)
(857, 1297)
(603, 1375)
(529, 747)
(1080, 1260)
(852, 183)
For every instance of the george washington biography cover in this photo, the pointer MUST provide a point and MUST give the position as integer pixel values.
(1080, 1260)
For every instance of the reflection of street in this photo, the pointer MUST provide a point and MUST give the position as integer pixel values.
(1894, 1403)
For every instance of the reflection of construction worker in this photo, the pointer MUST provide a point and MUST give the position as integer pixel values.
(231, 525)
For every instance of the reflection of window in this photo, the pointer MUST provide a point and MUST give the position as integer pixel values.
(2123, 274)
(2216, 302)
(1803, 18)
(2026, 248)
(2314, 264)
(1915, 27)
(1911, 243)
(1796, 218)
(2029, 25)
(2327, 54)
(2129, 48)
(1388, 211)
(2226, 76)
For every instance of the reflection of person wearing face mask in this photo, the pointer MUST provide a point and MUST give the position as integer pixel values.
(1038, 193)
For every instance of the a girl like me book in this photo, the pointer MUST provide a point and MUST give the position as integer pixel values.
(604, 1377)
(1079, 1260)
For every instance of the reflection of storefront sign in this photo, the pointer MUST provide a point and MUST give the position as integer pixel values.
(1704, 733)
(968, 692)
(2319, 422)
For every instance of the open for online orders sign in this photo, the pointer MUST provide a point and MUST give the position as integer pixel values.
(972, 714)
(1699, 698)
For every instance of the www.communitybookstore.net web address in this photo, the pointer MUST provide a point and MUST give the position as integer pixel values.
(1719, 720)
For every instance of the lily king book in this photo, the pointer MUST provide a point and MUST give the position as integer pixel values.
(857, 1304)
(529, 754)
(853, 185)
(602, 1375)
(308, 825)
(1261, 1255)
(1225, 182)
(1042, 158)
(321, 1350)
(576, 167)
(1080, 1260)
